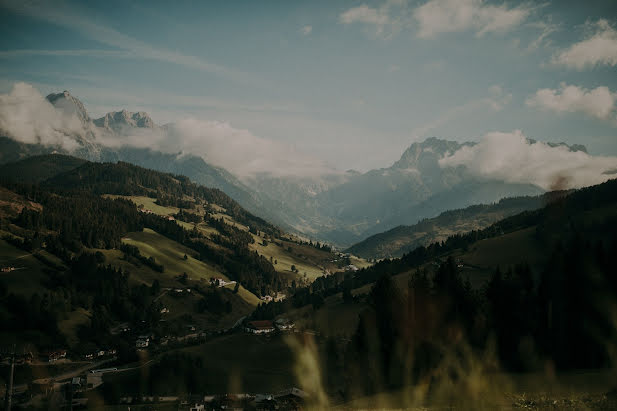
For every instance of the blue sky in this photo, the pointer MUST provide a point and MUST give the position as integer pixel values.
(350, 82)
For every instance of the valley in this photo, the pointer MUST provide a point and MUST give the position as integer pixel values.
(176, 276)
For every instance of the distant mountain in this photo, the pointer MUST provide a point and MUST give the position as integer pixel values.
(118, 121)
(69, 104)
(122, 123)
(402, 239)
(341, 209)
(413, 188)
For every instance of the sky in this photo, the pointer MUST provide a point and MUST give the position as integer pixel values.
(351, 83)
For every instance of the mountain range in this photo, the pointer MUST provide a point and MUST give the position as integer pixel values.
(339, 208)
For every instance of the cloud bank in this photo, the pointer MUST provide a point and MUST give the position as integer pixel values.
(386, 19)
(447, 16)
(512, 158)
(599, 48)
(598, 102)
(236, 150)
(26, 116)
(438, 16)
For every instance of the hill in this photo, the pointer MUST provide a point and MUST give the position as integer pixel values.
(533, 290)
(134, 241)
(36, 169)
(402, 239)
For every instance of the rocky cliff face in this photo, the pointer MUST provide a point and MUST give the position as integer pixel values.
(119, 121)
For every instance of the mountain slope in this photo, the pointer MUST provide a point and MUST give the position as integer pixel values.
(340, 208)
(38, 168)
(399, 240)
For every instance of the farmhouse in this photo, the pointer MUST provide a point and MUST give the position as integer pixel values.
(219, 282)
(259, 327)
(54, 356)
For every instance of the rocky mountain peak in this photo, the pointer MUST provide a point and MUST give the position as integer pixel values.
(427, 152)
(118, 120)
(69, 104)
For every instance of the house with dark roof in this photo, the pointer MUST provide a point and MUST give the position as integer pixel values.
(259, 327)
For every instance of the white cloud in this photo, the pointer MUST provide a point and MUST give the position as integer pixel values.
(386, 19)
(365, 14)
(598, 48)
(66, 53)
(510, 157)
(446, 16)
(26, 116)
(546, 29)
(598, 102)
(306, 30)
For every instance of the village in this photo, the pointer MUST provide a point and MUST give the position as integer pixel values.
(86, 371)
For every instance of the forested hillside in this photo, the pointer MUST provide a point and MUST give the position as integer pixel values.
(537, 288)
(87, 244)
(402, 239)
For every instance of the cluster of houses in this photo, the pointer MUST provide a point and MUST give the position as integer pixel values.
(145, 341)
(100, 354)
(53, 356)
(277, 297)
(267, 326)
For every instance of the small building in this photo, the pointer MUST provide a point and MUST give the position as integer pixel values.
(259, 327)
(76, 383)
(143, 341)
(284, 324)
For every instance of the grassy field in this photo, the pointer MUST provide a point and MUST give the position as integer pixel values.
(285, 260)
(26, 279)
(148, 204)
(581, 390)
(171, 255)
